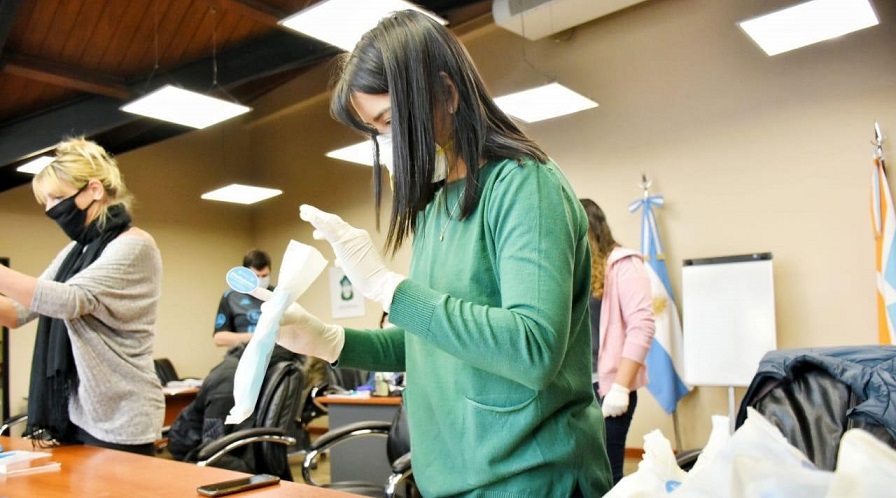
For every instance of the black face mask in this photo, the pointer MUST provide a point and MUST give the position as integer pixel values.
(70, 218)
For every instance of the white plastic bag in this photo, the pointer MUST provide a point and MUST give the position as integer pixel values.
(718, 439)
(657, 475)
(757, 461)
(866, 467)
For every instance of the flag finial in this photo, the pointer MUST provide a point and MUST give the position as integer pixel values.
(645, 184)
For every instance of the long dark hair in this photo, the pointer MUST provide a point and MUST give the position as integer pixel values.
(407, 56)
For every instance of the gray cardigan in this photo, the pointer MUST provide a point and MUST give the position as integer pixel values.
(109, 309)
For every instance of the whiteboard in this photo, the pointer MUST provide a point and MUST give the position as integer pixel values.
(728, 318)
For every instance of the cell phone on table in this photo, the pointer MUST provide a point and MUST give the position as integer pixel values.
(237, 485)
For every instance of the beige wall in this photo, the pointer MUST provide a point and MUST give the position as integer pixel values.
(752, 154)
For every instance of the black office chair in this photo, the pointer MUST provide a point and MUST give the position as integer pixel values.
(398, 451)
(165, 370)
(277, 407)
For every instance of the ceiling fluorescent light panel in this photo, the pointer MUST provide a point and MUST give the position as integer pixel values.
(36, 165)
(184, 107)
(360, 153)
(343, 22)
(241, 194)
(808, 23)
(544, 102)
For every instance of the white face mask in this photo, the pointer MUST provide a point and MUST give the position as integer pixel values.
(384, 140)
(264, 282)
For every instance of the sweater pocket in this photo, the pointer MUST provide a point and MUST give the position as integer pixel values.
(500, 429)
(504, 402)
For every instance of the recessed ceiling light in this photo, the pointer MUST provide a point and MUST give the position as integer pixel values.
(544, 102)
(185, 107)
(808, 23)
(361, 153)
(343, 22)
(36, 165)
(241, 194)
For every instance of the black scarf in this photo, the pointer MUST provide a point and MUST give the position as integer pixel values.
(54, 376)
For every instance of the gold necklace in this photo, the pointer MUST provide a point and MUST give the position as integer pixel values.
(450, 213)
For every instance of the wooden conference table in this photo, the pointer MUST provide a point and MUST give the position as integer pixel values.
(97, 472)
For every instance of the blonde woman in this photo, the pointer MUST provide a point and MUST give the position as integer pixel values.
(92, 376)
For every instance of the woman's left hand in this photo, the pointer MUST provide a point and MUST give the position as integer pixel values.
(356, 254)
(616, 401)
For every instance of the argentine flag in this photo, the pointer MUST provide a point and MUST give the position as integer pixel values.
(664, 360)
(884, 222)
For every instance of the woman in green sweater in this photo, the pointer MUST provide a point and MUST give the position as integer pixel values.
(492, 321)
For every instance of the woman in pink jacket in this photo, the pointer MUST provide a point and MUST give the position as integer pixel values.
(621, 330)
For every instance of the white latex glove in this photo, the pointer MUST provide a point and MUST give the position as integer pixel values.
(307, 334)
(616, 401)
(356, 254)
(293, 314)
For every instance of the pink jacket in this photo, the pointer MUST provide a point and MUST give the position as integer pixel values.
(626, 317)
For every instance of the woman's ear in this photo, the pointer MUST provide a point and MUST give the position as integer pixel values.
(450, 93)
(96, 189)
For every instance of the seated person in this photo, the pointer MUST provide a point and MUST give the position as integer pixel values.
(202, 420)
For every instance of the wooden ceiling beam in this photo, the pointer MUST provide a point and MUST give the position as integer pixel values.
(257, 11)
(266, 56)
(65, 76)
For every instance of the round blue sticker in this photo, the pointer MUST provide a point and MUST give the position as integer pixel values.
(242, 279)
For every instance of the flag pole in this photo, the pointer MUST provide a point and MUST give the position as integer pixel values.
(677, 429)
(665, 383)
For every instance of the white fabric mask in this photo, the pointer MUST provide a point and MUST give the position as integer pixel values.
(441, 171)
(384, 140)
(264, 282)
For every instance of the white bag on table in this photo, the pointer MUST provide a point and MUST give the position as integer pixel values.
(756, 462)
(866, 467)
(657, 475)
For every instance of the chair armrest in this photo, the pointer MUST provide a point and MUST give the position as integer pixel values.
(338, 436)
(401, 470)
(686, 459)
(11, 421)
(214, 450)
(402, 464)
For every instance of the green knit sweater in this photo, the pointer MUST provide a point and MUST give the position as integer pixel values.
(493, 331)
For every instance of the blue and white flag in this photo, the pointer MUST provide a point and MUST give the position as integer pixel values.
(884, 221)
(664, 360)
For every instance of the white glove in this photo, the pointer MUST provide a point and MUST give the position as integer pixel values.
(293, 314)
(355, 253)
(616, 401)
(305, 333)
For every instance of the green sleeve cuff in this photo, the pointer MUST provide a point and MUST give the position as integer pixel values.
(413, 307)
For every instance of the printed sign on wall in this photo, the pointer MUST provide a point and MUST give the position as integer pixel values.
(346, 301)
